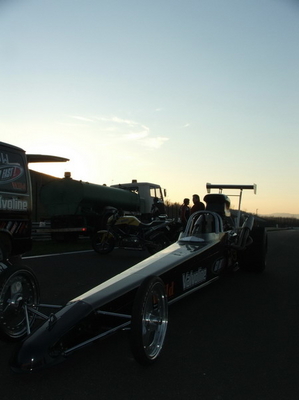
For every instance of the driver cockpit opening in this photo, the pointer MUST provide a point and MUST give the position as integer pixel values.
(205, 223)
(220, 204)
(202, 223)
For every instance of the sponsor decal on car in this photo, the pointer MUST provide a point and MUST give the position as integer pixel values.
(10, 172)
(13, 204)
(169, 289)
(219, 266)
(194, 277)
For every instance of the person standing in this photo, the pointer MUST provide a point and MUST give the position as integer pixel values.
(197, 204)
(185, 212)
(158, 208)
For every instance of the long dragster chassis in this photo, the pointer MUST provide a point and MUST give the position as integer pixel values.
(137, 298)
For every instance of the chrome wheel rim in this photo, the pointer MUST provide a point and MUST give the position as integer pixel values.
(154, 321)
(17, 295)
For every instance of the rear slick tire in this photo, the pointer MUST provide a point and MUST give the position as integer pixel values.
(149, 320)
(253, 259)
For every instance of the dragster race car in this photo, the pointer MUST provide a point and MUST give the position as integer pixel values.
(212, 244)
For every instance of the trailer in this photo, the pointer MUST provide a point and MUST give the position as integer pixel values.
(16, 201)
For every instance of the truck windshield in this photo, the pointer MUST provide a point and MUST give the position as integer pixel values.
(156, 192)
(12, 172)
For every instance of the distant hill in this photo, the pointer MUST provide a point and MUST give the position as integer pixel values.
(282, 215)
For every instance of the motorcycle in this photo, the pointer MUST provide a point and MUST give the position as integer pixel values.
(129, 233)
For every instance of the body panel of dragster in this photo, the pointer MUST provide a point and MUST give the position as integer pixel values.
(183, 267)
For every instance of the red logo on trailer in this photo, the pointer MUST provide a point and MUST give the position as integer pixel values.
(10, 172)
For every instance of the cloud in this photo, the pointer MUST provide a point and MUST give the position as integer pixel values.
(136, 135)
(154, 143)
(117, 120)
(123, 130)
(130, 130)
(81, 118)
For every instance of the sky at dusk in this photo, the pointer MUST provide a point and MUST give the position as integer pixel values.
(175, 92)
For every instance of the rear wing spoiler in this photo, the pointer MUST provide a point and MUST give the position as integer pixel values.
(253, 187)
(40, 158)
(221, 187)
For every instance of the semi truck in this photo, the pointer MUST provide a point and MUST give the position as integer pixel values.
(76, 207)
(73, 207)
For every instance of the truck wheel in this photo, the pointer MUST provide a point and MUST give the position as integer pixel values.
(253, 259)
(159, 241)
(103, 242)
(19, 291)
(149, 320)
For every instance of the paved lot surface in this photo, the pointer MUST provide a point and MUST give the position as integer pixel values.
(235, 340)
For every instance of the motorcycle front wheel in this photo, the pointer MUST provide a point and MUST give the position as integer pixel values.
(159, 241)
(103, 242)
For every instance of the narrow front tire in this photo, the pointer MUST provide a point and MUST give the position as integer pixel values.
(149, 320)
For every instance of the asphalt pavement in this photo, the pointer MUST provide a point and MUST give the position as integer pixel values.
(234, 340)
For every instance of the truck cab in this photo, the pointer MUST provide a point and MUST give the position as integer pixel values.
(15, 202)
(146, 192)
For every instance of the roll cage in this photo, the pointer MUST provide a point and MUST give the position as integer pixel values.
(253, 187)
(202, 226)
(216, 219)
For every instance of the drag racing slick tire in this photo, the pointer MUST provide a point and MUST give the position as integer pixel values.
(253, 259)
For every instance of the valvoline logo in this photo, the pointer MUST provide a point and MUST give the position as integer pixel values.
(10, 172)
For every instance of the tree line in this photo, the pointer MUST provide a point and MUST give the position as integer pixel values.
(173, 212)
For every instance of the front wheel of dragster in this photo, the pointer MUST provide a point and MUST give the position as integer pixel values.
(103, 242)
(19, 297)
(149, 320)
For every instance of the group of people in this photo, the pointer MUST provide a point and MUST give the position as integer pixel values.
(186, 211)
(158, 208)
